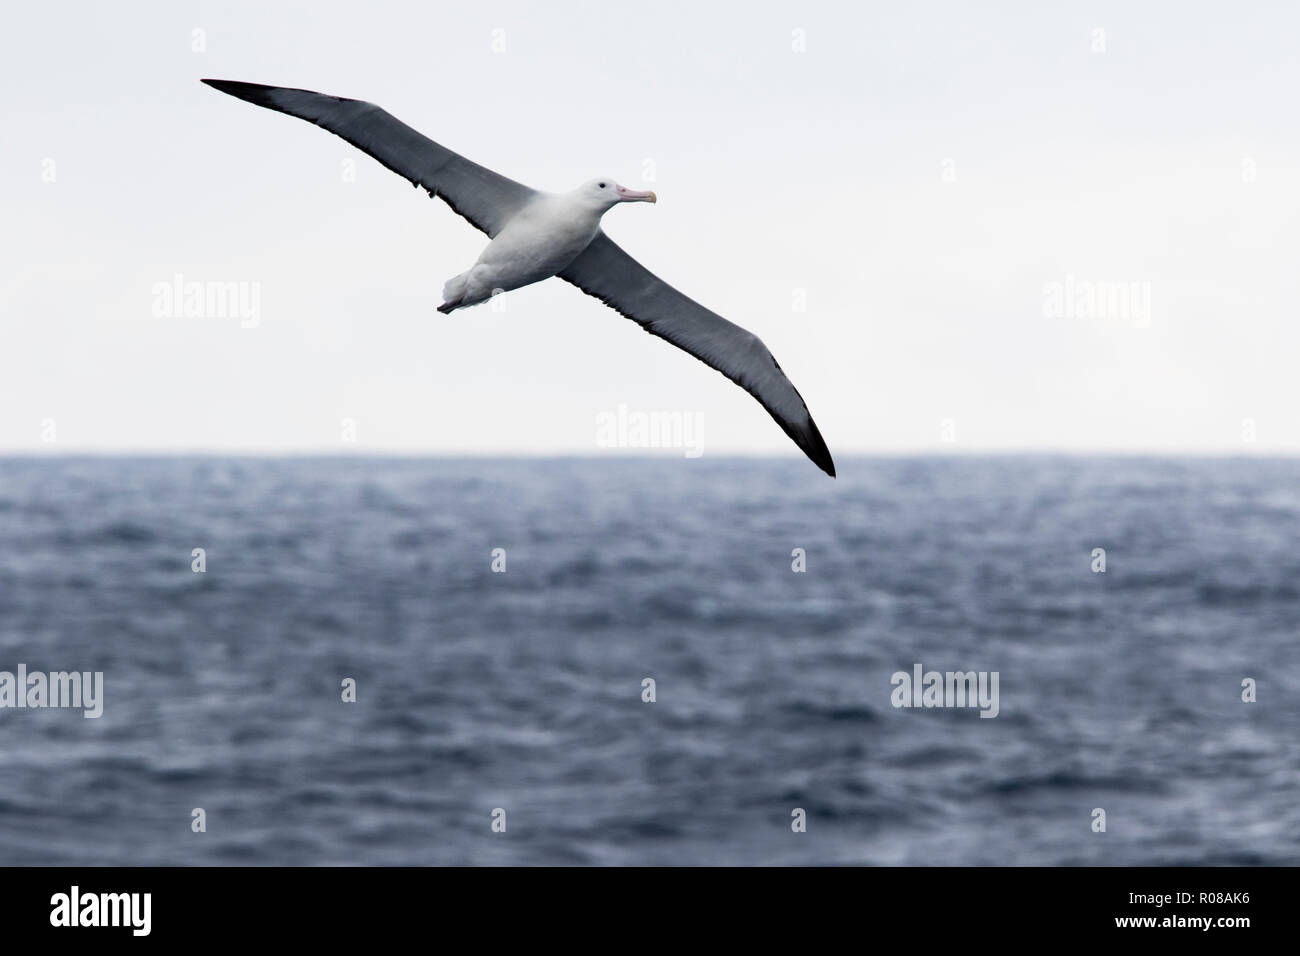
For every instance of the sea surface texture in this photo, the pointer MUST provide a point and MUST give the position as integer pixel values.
(518, 696)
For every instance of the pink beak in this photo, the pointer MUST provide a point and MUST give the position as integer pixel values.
(635, 195)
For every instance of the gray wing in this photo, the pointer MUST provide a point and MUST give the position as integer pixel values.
(486, 199)
(611, 275)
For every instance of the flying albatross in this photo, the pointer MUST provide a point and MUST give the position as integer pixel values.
(536, 235)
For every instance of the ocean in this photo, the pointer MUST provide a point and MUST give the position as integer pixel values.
(501, 716)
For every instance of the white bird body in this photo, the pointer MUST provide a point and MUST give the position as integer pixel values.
(537, 242)
(536, 235)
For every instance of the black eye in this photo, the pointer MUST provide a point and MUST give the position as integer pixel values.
(602, 185)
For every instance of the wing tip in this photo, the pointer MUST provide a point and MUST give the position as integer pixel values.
(260, 94)
(257, 93)
(816, 450)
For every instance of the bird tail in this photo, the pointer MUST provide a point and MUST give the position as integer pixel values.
(453, 293)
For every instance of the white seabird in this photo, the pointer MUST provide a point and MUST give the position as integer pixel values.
(536, 235)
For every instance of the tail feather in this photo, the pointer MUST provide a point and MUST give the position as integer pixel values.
(453, 293)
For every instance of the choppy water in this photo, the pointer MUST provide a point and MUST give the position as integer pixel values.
(522, 690)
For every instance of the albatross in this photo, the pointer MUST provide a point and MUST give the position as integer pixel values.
(535, 235)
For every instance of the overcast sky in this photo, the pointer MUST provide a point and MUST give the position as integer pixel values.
(958, 227)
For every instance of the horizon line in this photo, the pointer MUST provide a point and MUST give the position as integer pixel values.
(635, 454)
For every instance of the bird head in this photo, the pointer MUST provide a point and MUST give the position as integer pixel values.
(604, 193)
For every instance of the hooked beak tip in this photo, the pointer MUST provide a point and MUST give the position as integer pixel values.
(636, 195)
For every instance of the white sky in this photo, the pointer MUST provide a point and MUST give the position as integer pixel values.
(1170, 160)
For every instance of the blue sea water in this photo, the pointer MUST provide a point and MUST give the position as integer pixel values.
(522, 690)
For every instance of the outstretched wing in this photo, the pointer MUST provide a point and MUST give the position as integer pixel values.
(485, 198)
(611, 275)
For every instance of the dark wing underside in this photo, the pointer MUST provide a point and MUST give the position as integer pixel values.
(611, 275)
(485, 198)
